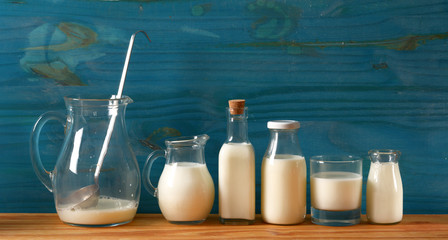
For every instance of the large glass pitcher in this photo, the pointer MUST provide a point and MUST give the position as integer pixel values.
(96, 180)
(185, 190)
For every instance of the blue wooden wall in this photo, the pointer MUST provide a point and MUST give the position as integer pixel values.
(357, 74)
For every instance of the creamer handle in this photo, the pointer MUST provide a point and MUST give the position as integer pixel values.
(147, 170)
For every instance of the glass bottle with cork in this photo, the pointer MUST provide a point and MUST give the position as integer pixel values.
(237, 169)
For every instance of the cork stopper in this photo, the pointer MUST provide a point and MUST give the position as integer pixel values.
(236, 106)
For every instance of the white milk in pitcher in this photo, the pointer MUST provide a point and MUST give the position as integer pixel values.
(384, 193)
(185, 192)
(237, 181)
(336, 191)
(108, 211)
(283, 193)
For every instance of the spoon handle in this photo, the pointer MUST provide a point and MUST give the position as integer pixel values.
(110, 128)
(126, 62)
(114, 111)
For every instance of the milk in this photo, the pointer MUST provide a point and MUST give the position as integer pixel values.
(336, 191)
(283, 189)
(108, 211)
(185, 192)
(384, 193)
(237, 181)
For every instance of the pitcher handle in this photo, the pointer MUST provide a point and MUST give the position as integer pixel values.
(147, 170)
(43, 175)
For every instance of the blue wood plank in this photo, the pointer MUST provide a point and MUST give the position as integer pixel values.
(358, 76)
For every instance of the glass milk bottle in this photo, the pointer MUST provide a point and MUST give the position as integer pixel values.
(384, 188)
(283, 176)
(237, 169)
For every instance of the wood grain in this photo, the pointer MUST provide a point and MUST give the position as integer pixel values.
(357, 76)
(154, 226)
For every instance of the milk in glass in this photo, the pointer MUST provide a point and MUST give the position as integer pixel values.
(238, 201)
(185, 192)
(283, 197)
(108, 211)
(336, 191)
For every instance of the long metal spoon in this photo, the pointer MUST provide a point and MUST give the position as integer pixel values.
(88, 196)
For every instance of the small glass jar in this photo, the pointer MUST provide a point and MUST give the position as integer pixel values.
(384, 203)
(283, 176)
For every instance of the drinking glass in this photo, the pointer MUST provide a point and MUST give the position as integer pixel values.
(336, 188)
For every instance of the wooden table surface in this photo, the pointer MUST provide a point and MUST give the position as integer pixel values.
(154, 226)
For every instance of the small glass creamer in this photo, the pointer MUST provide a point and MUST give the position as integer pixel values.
(185, 190)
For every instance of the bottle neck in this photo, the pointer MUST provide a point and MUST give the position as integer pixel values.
(237, 129)
(384, 156)
(284, 142)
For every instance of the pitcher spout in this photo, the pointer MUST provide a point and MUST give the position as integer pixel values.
(187, 141)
